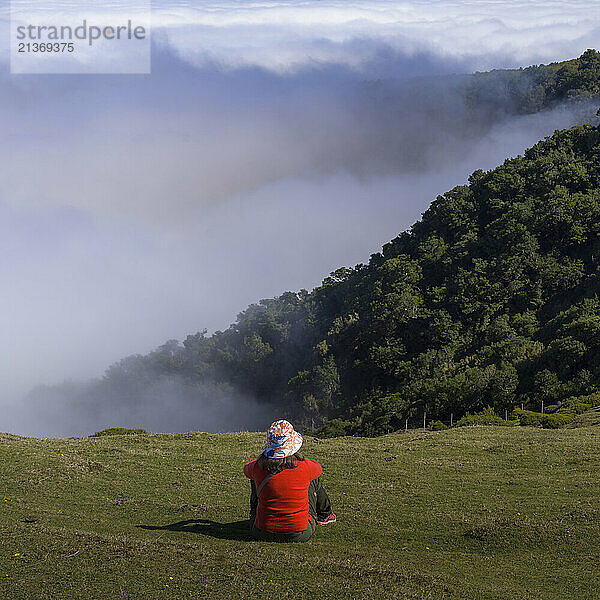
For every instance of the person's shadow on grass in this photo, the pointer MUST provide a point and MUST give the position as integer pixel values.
(238, 530)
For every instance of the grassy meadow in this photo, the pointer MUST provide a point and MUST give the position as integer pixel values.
(472, 513)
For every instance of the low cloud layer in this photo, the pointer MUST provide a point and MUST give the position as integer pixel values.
(166, 405)
(287, 35)
(138, 209)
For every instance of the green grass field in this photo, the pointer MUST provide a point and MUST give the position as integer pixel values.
(472, 513)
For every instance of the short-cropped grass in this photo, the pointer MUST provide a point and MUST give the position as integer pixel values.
(471, 513)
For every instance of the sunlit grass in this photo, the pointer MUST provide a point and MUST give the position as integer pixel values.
(472, 513)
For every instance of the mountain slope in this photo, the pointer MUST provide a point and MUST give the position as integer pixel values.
(536, 88)
(490, 299)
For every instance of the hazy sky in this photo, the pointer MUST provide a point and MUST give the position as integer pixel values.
(273, 142)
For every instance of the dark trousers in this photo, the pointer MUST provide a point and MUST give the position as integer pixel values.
(319, 507)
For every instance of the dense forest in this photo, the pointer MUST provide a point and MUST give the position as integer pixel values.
(533, 89)
(491, 299)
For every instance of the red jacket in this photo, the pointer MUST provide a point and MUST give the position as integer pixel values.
(283, 501)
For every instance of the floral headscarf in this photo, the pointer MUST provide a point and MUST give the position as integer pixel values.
(282, 440)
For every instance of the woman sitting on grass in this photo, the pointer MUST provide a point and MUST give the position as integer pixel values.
(287, 501)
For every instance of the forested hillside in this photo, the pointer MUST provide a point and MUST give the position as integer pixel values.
(532, 89)
(490, 299)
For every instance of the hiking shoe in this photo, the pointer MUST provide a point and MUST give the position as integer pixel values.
(328, 520)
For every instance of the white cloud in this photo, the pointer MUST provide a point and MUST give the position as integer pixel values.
(288, 35)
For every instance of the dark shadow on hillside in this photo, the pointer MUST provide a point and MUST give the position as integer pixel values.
(238, 530)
